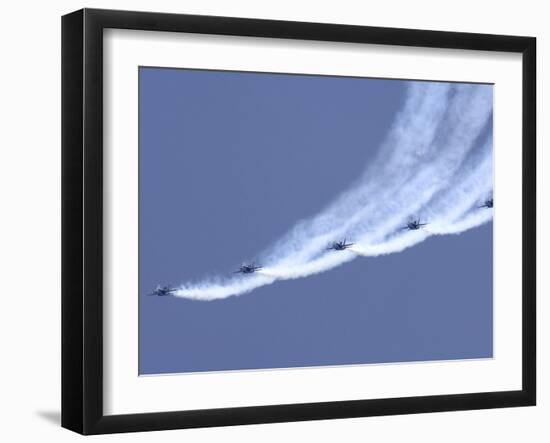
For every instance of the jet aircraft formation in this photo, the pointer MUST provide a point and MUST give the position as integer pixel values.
(342, 245)
(247, 269)
(414, 225)
(162, 291)
(487, 204)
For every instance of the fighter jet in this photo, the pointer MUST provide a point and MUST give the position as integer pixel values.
(161, 291)
(488, 204)
(414, 225)
(248, 269)
(340, 245)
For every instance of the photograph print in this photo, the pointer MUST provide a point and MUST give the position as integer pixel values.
(294, 221)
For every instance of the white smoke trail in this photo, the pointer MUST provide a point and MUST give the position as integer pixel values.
(432, 163)
(451, 211)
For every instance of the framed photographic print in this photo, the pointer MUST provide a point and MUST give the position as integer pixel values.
(269, 221)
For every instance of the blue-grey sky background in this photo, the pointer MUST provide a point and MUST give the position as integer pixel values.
(226, 169)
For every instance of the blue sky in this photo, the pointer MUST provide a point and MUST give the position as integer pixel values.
(229, 162)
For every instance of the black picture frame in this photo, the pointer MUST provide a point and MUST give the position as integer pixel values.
(82, 218)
